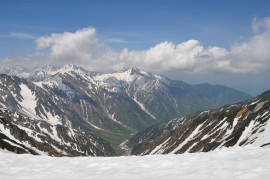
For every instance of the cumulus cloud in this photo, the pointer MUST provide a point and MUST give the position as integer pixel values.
(187, 56)
(253, 54)
(77, 47)
(84, 49)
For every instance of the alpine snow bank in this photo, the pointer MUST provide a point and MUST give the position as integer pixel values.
(247, 162)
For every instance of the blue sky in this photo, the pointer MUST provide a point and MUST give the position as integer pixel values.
(143, 27)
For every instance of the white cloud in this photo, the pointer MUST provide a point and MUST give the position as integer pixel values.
(84, 49)
(253, 54)
(77, 47)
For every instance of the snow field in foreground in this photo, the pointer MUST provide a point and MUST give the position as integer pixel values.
(247, 162)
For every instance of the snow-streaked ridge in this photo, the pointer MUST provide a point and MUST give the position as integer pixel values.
(193, 134)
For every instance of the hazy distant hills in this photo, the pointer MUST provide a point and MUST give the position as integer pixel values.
(77, 112)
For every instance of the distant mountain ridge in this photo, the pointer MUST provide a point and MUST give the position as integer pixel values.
(107, 107)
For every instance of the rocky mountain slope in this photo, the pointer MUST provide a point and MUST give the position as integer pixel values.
(36, 119)
(69, 104)
(238, 124)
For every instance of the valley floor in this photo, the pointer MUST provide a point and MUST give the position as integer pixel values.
(247, 162)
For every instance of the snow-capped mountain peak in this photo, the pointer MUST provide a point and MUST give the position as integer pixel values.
(71, 68)
(135, 70)
(129, 75)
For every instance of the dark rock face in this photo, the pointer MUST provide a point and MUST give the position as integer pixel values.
(233, 125)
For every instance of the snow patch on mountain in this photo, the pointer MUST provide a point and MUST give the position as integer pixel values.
(235, 121)
(190, 137)
(70, 68)
(11, 143)
(113, 118)
(96, 127)
(31, 133)
(52, 119)
(158, 149)
(56, 82)
(121, 76)
(144, 109)
(7, 133)
(29, 101)
(128, 76)
(257, 132)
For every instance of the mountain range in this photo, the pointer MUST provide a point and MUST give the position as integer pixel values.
(71, 111)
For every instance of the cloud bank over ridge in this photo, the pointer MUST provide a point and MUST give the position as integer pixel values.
(83, 48)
